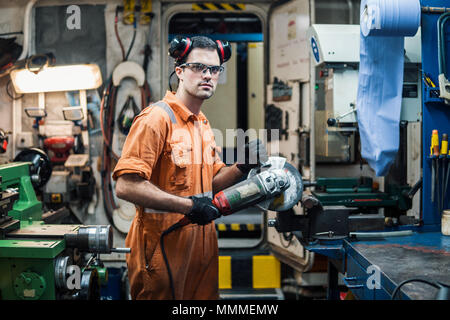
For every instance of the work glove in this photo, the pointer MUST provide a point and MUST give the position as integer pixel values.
(255, 154)
(203, 211)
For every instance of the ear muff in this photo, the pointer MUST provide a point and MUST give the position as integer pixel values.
(224, 50)
(179, 47)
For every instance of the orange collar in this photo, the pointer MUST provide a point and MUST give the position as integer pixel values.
(179, 108)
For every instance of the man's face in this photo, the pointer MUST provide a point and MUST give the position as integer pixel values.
(199, 84)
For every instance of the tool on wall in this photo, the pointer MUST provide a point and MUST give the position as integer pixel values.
(434, 154)
(447, 175)
(443, 159)
(127, 114)
(444, 83)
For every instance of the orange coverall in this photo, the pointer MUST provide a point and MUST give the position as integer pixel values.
(175, 150)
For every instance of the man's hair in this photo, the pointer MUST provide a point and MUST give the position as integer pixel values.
(198, 42)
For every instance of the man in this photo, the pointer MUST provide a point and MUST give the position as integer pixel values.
(170, 169)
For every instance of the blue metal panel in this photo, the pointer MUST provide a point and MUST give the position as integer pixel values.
(436, 114)
(386, 285)
(356, 280)
(401, 258)
(434, 241)
(231, 37)
(332, 251)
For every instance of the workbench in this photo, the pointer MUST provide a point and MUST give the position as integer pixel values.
(423, 255)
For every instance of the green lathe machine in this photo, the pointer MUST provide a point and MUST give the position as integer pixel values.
(39, 260)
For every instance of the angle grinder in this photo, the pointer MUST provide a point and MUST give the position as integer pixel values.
(275, 186)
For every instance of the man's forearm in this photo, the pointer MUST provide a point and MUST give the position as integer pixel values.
(227, 176)
(132, 188)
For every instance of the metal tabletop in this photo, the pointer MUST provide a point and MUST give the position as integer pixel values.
(421, 255)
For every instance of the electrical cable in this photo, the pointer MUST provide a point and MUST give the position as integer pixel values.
(163, 251)
(174, 227)
(9, 94)
(170, 77)
(107, 121)
(147, 57)
(107, 111)
(10, 33)
(105, 106)
(116, 19)
(132, 40)
(413, 280)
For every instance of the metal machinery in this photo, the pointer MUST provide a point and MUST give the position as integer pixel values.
(376, 259)
(72, 182)
(335, 54)
(334, 51)
(39, 260)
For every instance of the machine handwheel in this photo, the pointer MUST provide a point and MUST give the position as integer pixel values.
(41, 167)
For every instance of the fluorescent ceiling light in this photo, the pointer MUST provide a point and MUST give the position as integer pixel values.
(59, 78)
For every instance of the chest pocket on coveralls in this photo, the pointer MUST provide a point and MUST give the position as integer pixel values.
(181, 154)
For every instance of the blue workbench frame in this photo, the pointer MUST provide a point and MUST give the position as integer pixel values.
(346, 257)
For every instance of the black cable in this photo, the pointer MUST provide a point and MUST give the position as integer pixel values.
(412, 280)
(132, 41)
(170, 77)
(9, 94)
(163, 251)
(10, 33)
(116, 19)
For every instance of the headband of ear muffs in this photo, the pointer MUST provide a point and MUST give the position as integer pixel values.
(180, 47)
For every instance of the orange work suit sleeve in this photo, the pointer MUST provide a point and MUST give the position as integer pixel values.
(144, 143)
(218, 164)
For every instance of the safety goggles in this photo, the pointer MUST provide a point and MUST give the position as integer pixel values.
(200, 67)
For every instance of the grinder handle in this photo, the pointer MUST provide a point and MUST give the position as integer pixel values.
(221, 202)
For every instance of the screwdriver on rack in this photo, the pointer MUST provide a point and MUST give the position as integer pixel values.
(434, 154)
(443, 156)
(447, 160)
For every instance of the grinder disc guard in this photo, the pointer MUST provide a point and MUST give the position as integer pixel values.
(292, 195)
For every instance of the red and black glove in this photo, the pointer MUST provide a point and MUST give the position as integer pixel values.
(203, 211)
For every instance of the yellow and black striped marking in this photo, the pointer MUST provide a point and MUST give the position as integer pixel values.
(218, 6)
(257, 272)
(222, 227)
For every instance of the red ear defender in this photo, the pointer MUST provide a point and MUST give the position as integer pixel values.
(179, 47)
(186, 49)
(220, 50)
(224, 50)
